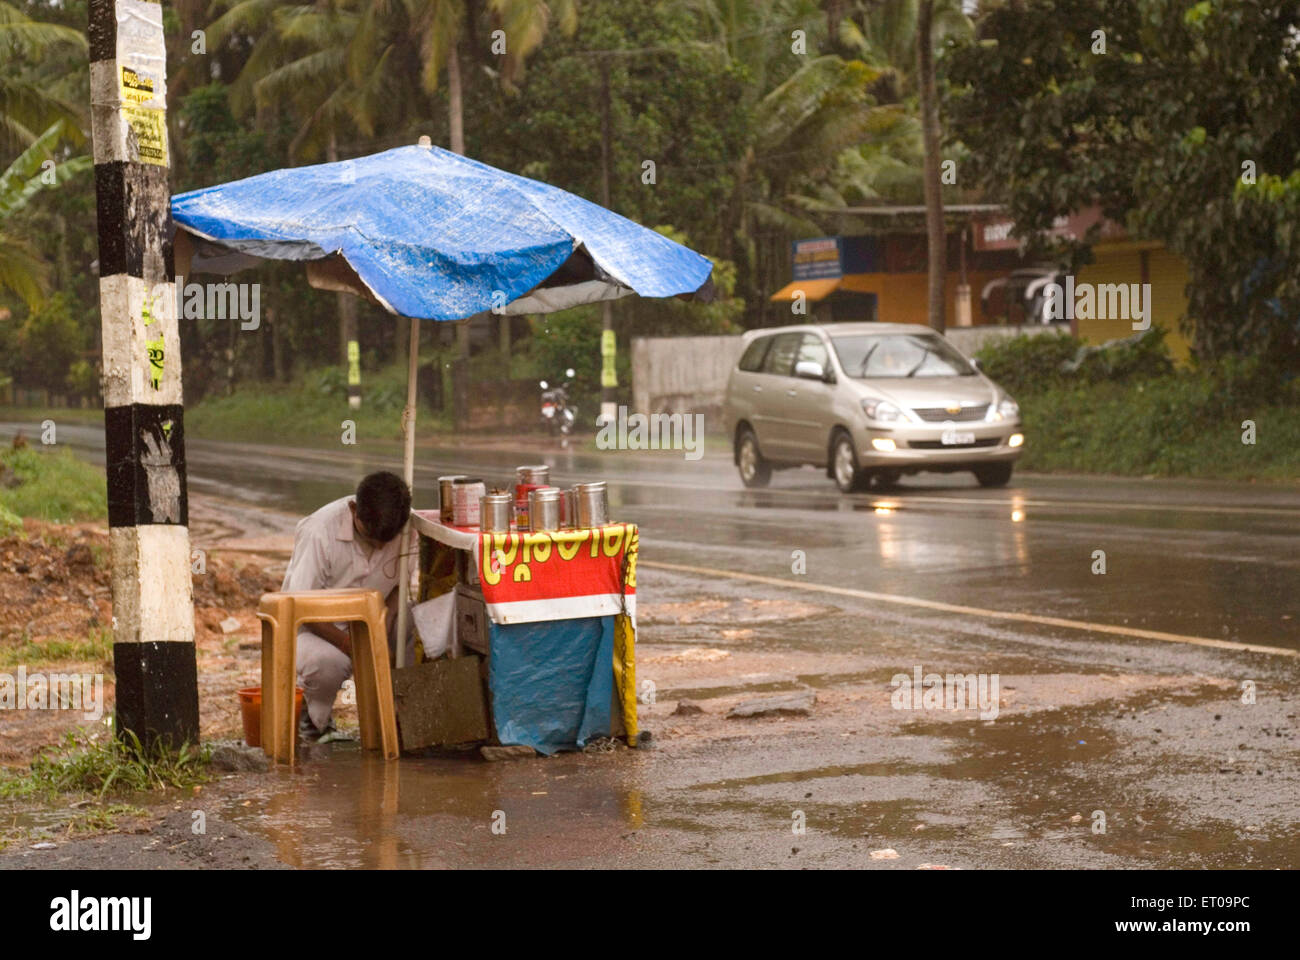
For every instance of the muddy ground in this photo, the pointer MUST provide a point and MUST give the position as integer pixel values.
(1102, 754)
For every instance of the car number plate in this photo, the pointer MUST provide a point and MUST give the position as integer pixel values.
(956, 438)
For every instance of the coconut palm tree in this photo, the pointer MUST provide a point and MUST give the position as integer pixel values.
(905, 33)
(22, 270)
(26, 105)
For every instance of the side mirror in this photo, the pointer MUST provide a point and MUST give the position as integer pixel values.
(809, 370)
(569, 373)
(542, 384)
(974, 362)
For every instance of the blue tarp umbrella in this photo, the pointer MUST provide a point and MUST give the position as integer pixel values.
(432, 235)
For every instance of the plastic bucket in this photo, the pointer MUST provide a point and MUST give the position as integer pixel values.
(250, 706)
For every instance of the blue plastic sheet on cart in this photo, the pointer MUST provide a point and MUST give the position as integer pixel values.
(552, 682)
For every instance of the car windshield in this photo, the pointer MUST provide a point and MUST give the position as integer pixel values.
(868, 355)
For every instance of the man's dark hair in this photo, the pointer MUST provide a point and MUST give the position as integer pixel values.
(383, 504)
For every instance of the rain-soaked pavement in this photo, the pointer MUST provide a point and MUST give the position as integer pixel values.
(1125, 732)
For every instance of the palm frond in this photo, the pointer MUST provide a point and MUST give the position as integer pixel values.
(22, 270)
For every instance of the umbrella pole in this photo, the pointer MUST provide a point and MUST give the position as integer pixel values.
(408, 474)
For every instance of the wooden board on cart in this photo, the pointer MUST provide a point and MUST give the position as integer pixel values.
(440, 703)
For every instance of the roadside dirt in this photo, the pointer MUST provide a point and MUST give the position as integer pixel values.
(55, 593)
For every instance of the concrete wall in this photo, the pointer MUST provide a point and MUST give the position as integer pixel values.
(683, 375)
(970, 339)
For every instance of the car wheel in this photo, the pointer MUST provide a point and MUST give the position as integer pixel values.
(849, 477)
(754, 470)
(993, 474)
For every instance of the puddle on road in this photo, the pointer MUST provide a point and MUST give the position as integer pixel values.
(354, 810)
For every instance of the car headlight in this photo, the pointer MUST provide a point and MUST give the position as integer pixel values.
(1005, 409)
(881, 410)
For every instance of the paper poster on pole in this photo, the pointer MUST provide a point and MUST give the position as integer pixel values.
(142, 76)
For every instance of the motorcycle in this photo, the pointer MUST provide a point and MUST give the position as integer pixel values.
(557, 416)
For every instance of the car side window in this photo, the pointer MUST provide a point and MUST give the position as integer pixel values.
(814, 350)
(752, 359)
(780, 359)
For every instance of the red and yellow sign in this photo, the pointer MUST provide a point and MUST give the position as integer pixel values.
(560, 574)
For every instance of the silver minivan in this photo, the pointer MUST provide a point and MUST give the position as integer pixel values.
(869, 402)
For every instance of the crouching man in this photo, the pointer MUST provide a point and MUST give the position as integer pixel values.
(350, 543)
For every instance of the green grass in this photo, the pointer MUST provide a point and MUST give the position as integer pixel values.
(1175, 426)
(98, 764)
(96, 647)
(51, 485)
(32, 417)
(310, 410)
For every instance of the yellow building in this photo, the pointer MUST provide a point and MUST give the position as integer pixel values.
(1133, 261)
(883, 277)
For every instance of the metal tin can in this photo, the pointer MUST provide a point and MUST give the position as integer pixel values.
(593, 503)
(494, 512)
(544, 509)
(538, 475)
(444, 495)
(465, 495)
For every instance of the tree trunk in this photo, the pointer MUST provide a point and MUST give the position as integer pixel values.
(401, 335)
(455, 103)
(937, 239)
(277, 347)
(348, 313)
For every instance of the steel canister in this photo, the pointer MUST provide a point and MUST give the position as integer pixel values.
(539, 475)
(593, 503)
(466, 492)
(544, 508)
(444, 495)
(494, 512)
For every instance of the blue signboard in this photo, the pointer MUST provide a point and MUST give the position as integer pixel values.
(828, 257)
(816, 259)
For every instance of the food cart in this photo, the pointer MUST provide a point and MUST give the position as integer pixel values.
(552, 614)
(432, 235)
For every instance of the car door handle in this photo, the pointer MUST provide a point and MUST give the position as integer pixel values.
(792, 393)
(758, 389)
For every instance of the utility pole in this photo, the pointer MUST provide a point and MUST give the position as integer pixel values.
(460, 369)
(347, 302)
(608, 371)
(144, 434)
(937, 238)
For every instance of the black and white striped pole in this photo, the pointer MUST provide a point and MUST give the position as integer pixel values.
(153, 610)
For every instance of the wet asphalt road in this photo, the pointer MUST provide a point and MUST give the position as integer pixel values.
(1209, 560)
(1126, 687)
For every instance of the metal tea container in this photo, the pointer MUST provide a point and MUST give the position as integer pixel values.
(495, 511)
(593, 503)
(544, 508)
(466, 493)
(444, 495)
(539, 475)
